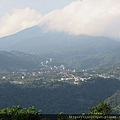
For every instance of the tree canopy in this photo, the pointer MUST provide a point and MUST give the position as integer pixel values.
(101, 109)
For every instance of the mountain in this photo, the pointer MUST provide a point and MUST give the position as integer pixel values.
(18, 61)
(37, 40)
(75, 52)
(114, 101)
(32, 47)
(58, 97)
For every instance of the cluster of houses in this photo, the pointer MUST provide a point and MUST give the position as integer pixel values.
(50, 72)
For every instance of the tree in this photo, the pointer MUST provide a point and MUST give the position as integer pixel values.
(101, 109)
(18, 113)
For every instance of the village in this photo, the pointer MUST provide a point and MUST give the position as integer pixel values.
(51, 73)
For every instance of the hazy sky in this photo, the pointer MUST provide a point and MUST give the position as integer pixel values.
(91, 17)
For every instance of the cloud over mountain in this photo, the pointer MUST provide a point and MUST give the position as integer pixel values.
(90, 17)
(18, 20)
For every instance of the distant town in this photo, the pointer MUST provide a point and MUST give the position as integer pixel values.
(51, 73)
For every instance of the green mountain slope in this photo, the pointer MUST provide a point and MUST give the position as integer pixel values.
(114, 101)
(18, 61)
(58, 97)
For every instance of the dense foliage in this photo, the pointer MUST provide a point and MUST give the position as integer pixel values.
(17, 113)
(101, 111)
(114, 101)
(58, 97)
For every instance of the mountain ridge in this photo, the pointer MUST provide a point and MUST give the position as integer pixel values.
(35, 39)
(75, 52)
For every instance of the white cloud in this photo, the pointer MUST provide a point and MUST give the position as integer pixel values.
(91, 17)
(18, 20)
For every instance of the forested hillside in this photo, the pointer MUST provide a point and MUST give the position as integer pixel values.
(114, 101)
(18, 61)
(58, 97)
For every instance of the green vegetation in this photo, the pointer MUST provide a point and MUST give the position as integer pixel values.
(55, 97)
(73, 59)
(114, 101)
(18, 61)
(17, 113)
(101, 111)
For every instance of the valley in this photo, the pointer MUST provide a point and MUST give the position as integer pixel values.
(49, 72)
(54, 87)
(69, 74)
